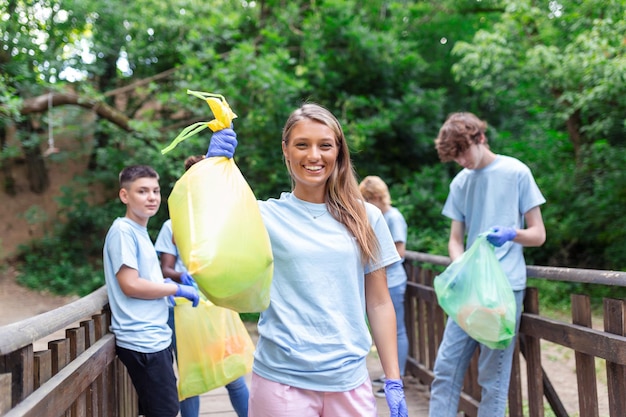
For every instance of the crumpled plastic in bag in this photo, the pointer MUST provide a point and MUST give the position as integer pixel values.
(475, 292)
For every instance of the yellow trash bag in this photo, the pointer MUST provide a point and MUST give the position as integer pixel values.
(218, 229)
(213, 347)
(220, 235)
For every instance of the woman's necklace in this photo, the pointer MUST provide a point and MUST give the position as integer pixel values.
(315, 216)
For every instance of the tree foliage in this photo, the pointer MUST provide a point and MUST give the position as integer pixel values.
(567, 61)
(559, 74)
(548, 77)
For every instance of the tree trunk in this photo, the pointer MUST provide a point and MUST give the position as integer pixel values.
(9, 181)
(38, 178)
(40, 104)
(573, 129)
(36, 172)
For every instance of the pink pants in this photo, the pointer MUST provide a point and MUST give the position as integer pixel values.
(272, 399)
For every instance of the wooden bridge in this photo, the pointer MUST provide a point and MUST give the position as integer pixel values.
(76, 372)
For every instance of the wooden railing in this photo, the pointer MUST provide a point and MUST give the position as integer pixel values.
(426, 320)
(78, 374)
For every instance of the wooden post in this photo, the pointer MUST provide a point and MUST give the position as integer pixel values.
(60, 357)
(42, 367)
(19, 364)
(96, 403)
(615, 322)
(78, 339)
(533, 358)
(516, 408)
(5, 393)
(60, 354)
(585, 364)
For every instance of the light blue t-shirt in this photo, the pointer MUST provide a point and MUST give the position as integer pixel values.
(314, 334)
(139, 325)
(496, 195)
(396, 274)
(165, 244)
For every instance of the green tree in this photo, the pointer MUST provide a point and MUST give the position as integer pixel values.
(555, 74)
(548, 78)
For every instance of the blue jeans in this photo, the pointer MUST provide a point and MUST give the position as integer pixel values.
(190, 407)
(397, 297)
(494, 371)
(237, 390)
(238, 394)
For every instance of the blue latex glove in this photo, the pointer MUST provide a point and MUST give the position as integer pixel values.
(185, 291)
(499, 235)
(394, 394)
(223, 143)
(187, 279)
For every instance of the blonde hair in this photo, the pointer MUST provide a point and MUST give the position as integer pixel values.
(343, 197)
(458, 133)
(372, 187)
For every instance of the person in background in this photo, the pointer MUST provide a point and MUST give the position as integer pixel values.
(375, 191)
(495, 194)
(330, 252)
(138, 295)
(172, 267)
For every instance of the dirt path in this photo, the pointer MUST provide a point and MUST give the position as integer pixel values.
(18, 303)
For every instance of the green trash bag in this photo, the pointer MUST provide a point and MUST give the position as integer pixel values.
(475, 292)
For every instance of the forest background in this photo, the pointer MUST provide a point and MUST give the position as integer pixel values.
(548, 76)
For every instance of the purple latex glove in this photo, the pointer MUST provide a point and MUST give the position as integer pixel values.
(394, 394)
(223, 143)
(185, 291)
(187, 279)
(499, 235)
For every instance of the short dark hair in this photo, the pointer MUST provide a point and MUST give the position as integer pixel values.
(134, 172)
(192, 160)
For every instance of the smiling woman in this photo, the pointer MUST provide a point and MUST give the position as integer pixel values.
(328, 286)
(310, 154)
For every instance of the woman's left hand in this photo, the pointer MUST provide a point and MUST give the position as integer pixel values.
(394, 394)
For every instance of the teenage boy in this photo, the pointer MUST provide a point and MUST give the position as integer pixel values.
(493, 193)
(138, 295)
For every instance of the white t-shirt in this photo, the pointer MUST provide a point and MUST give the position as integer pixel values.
(138, 324)
(314, 334)
(496, 195)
